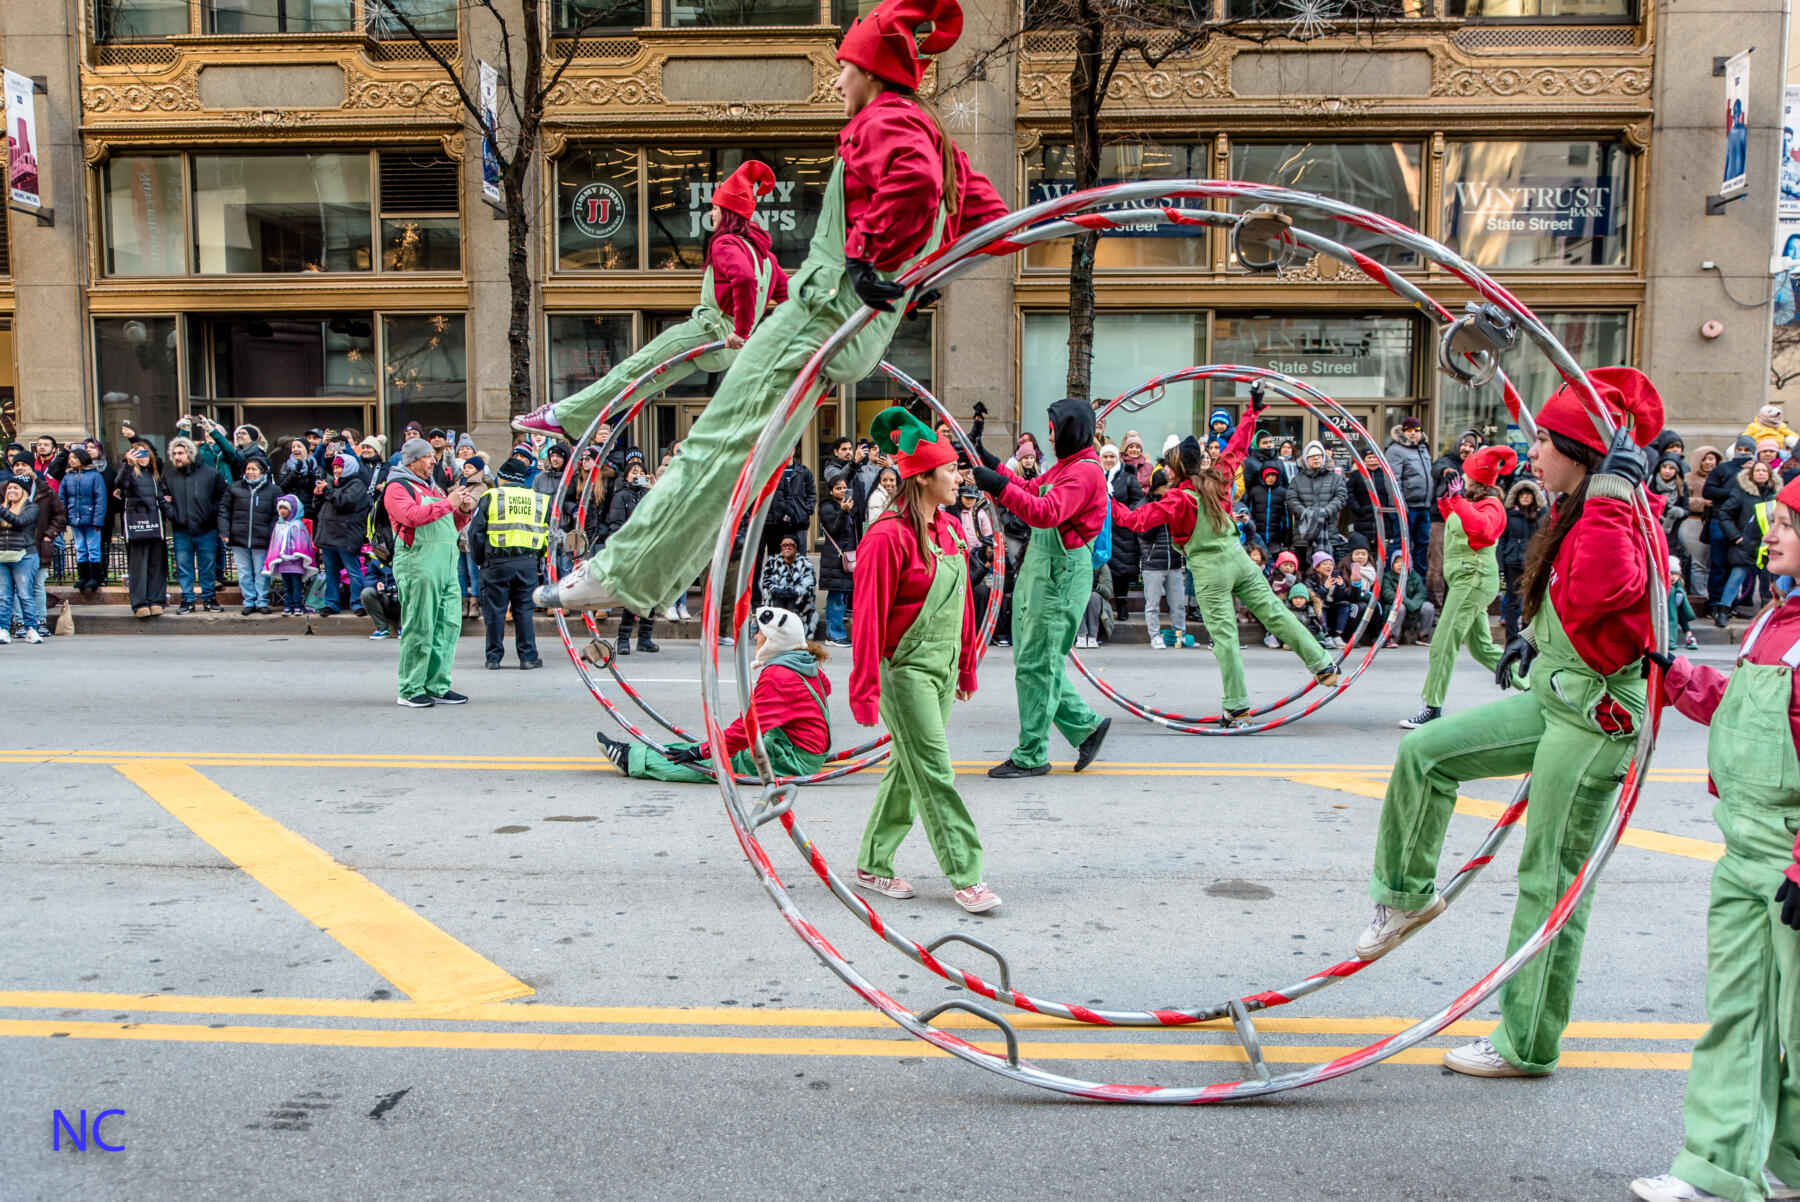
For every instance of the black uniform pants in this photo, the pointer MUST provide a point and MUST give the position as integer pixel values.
(507, 580)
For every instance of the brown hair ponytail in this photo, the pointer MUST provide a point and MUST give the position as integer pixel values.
(1540, 553)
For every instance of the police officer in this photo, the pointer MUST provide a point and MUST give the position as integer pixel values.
(508, 537)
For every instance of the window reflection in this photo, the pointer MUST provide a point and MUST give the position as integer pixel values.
(1382, 177)
(280, 16)
(584, 347)
(1129, 348)
(137, 373)
(282, 212)
(146, 229)
(1050, 172)
(1348, 358)
(597, 209)
(1594, 339)
(139, 20)
(681, 181)
(424, 370)
(1537, 204)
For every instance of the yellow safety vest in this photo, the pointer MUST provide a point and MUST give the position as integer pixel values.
(517, 518)
(1765, 513)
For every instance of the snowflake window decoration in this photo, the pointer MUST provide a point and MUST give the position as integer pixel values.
(1312, 18)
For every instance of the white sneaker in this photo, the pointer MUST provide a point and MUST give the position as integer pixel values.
(1391, 928)
(669, 615)
(978, 898)
(1156, 642)
(32, 635)
(681, 611)
(1479, 1059)
(1271, 642)
(5, 636)
(1669, 1188)
(1774, 1188)
(576, 590)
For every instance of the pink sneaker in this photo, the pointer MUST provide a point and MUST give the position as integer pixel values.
(888, 886)
(540, 421)
(978, 899)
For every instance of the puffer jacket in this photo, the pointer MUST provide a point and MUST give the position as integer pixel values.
(1321, 492)
(247, 514)
(1737, 518)
(1365, 507)
(1412, 467)
(1157, 551)
(195, 491)
(1520, 526)
(18, 527)
(1268, 504)
(343, 514)
(84, 494)
(1125, 547)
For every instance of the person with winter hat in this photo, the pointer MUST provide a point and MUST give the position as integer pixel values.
(1769, 423)
(791, 697)
(1574, 727)
(900, 189)
(1197, 511)
(291, 557)
(426, 520)
(246, 516)
(1742, 1114)
(741, 279)
(84, 494)
(914, 647)
(1316, 495)
(1066, 509)
(1474, 520)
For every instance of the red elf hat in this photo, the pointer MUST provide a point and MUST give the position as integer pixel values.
(886, 44)
(1487, 465)
(1629, 397)
(751, 182)
(1790, 494)
(915, 448)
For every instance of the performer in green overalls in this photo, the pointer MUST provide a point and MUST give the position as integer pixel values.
(1197, 511)
(790, 695)
(741, 278)
(1474, 519)
(1066, 508)
(899, 190)
(1743, 1096)
(914, 649)
(426, 522)
(1585, 591)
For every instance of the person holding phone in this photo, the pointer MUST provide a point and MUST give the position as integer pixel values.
(146, 507)
(426, 522)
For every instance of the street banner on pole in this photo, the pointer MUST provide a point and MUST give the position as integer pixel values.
(1737, 124)
(490, 120)
(21, 143)
(1790, 154)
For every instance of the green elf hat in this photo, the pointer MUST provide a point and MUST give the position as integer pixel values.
(916, 450)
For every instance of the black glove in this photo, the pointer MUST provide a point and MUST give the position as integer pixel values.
(871, 289)
(686, 755)
(1789, 897)
(1258, 403)
(1519, 652)
(1662, 659)
(980, 410)
(920, 305)
(988, 480)
(1625, 460)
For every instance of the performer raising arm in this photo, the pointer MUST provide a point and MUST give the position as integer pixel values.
(899, 190)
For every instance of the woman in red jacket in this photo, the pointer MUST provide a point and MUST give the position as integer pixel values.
(1585, 591)
(914, 647)
(900, 189)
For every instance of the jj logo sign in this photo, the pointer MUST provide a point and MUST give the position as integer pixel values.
(598, 211)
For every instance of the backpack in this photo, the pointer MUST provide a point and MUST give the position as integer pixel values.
(1103, 540)
(379, 531)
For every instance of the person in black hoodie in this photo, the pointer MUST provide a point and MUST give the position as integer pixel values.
(1267, 496)
(246, 518)
(1526, 508)
(1742, 532)
(791, 508)
(1717, 491)
(1366, 507)
(1668, 480)
(340, 532)
(195, 491)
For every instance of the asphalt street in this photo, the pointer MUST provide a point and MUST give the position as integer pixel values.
(313, 945)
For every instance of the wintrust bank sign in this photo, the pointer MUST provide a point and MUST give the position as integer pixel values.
(1575, 208)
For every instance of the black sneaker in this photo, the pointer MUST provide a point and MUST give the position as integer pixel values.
(449, 697)
(526, 665)
(1090, 746)
(212, 607)
(187, 607)
(421, 702)
(247, 610)
(619, 753)
(1235, 718)
(647, 645)
(263, 609)
(1006, 770)
(624, 647)
(493, 664)
(1427, 713)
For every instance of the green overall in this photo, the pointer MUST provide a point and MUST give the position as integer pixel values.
(1549, 731)
(656, 553)
(1471, 582)
(1052, 593)
(707, 323)
(430, 606)
(918, 687)
(1223, 571)
(1743, 1101)
(784, 757)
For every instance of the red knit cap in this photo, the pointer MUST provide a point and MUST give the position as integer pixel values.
(1487, 465)
(1629, 396)
(748, 184)
(883, 43)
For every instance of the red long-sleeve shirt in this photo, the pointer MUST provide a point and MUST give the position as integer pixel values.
(408, 514)
(1599, 583)
(1075, 504)
(786, 700)
(1696, 689)
(734, 262)
(894, 182)
(893, 576)
(1178, 509)
(1483, 521)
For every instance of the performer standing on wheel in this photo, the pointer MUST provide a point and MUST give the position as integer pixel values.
(1585, 596)
(1066, 509)
(900, 190)
(1474, 520)
(791, 707)
(741, 278)
(1197, 511)
(1743, 1101)
(914, 646)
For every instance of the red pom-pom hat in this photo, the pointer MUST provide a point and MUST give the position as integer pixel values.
(1630, 398)
(751, 182)
(1487, 465)
(886, 44)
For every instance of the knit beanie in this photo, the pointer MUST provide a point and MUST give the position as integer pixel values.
(415, 449)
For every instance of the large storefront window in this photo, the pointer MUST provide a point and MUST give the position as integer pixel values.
(1382, 177)
(426, 16)
(1050, 172)
(680, 13)
(1543, 10)
(1538, 204)
(911, 352)
(583, 348)
(1129, 348)
(280, 16)
(681, 182)
(1347, 358)
(597, 209)
(146, 225)
(278, 357)
(138, 375)
(139, 20)
(424, 370)
(282, 212)
(1594, 339)
(592, 16)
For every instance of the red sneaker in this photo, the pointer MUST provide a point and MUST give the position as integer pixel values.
(540, 421)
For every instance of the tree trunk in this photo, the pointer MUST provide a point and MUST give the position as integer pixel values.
(1084, 130)
(518, 279)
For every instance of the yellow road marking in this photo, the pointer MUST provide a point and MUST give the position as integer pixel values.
(727, 1016)
(420, 960)
(1674, 845)
(740, 1045)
